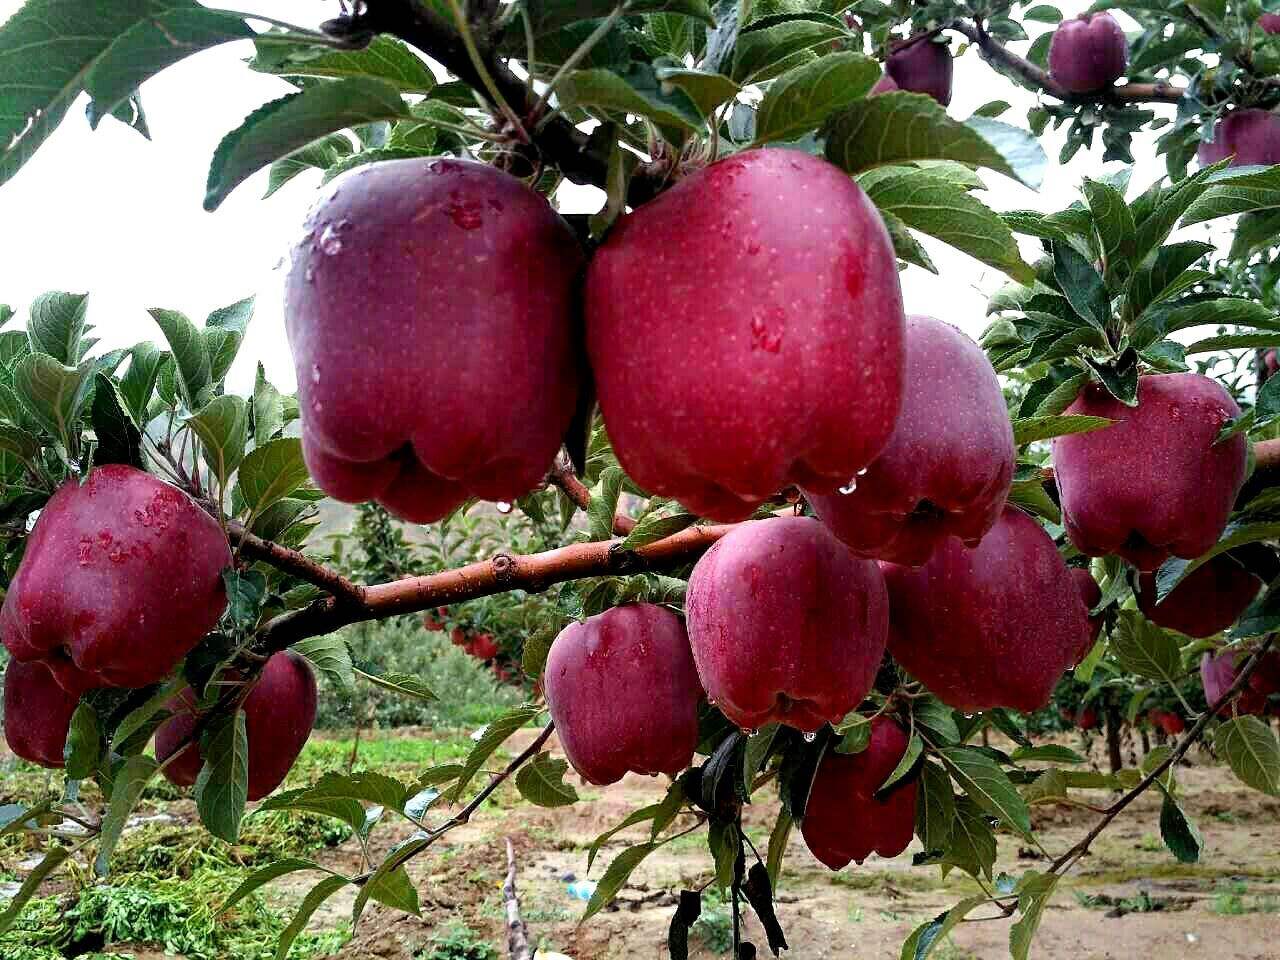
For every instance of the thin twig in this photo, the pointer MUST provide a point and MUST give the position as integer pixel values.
(517, 932)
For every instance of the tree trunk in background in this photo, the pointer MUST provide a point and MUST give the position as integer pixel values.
(1113, 740)
(1146, 743)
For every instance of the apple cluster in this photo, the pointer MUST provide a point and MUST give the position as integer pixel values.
(121, 578)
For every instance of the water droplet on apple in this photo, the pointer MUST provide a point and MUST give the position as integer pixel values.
(330, 242)
(849, 487)
(309, 274)
(809, 736)
(502, 506)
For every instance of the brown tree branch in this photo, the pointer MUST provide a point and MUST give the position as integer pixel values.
(563, 475)
(517, 932)
(556, 140)
(295, 563)
(533, 573)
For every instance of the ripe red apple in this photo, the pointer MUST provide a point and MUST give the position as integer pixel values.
(121, 578)
(1208, 601)
(1269, 361)
(1088, 53)
(1090, 593)
(483, 647)
(624, 694)
(37, 712)
(1249, 136)
(279, 713)
(744, 336)
(1154, 482)
(923, 66)
(994, 625)
(1087, 718)
(1171, 723)
(1269, 22)
(947, 468)
(1218, 673)
(843, 820)
(786, 624)
(431, 313)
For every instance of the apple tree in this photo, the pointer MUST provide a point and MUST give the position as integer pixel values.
(774, 487)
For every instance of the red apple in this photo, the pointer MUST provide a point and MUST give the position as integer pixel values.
(624, 694)
(431, 312)
(1087, 718)
(484, 647)
(1170, 723)
(1088, 53)
(1208, 601)
(745, 336)
(786, 624)
(1269, 22)
(844, 820)
(121, 578)
(1218, 673)
(1250, 136)
(37, 712)
(923, 66)
(1155, 482)
(886, 84)
(279, 713)
(947, 468)
(990, 626)
(1090, 593)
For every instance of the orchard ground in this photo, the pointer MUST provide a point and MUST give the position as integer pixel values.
(1128, 898)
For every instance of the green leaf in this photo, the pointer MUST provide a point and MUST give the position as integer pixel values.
(778, 846)
(139, 380)
(279, 128)
(951, 214)
(222, 786)
(932, 933)
(346, 809)
(395, 889)
(52, 393)
(905, 245)
(267, 407)
(194, 369)
(637, 91)
(604, 503)
(224, 332)
(392, 863)
(707, 90)
(1233, 191)
(493, 736)
(151, 45)
(46, 49)
(57, 325)
(19, 443)
(936, 719)
(320, 155)
(898, 126)
(53, 859)
(1177, 831)
(367, 786)
(146, 716)
(615, 878)
(1047, 753)
(385, 58)
(656, 525)
(270, 473)
(401, 684)
(1251, 751)
(935, 807)
(765, 49)
(264, 875)
(1031, 429)
(83, 747)
(119, 439)
(661, 813)
(1034, 891)
(1082, 285)
(621, 165)
(331, 658)
(126, 789)
(316, 896)
(541, 782)
(1165, 275)
(1117, 234)
(972, 844)
(855, 734)
(1061, 396)
(1234, 341)
(803, 97)
(1145, 649)
(988, 786)
(755, 753)
(909, 757)
(222, 426)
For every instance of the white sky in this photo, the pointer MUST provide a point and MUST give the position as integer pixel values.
(109, 213)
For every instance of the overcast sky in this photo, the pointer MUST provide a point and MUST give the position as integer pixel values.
(109, 213)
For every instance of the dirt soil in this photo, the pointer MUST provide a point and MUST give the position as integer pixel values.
(1129, 898)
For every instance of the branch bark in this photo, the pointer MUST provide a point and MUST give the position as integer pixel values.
(295, 563)
(517, 932)
(563, 476)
